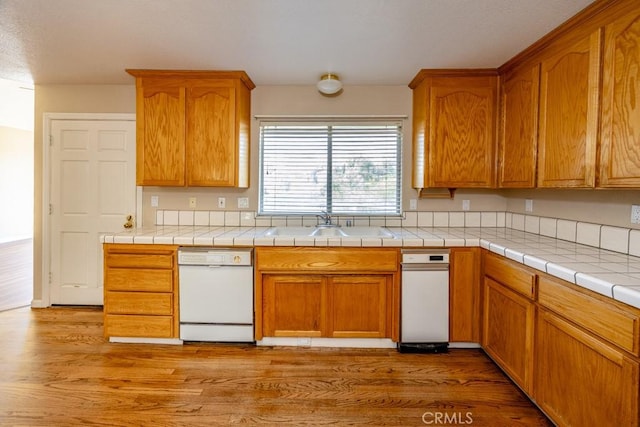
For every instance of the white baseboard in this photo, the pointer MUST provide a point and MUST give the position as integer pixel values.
(327, 342)
(136, 340)
(464, 345)
(38, 303)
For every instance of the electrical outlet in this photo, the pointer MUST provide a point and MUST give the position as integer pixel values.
(413, 204)
(222, 202)
(635, 214)
(528, 205)
(466, 205)
(154, 201)
(192, 202)
(243, 202)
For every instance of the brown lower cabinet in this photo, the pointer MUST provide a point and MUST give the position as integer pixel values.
(465, 294)
(327, 292)
(354, 306)
(508, 331)
(141, 291)
(509, 317)
(574, 352)
(581, 380)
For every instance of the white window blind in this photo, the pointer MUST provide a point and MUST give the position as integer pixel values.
(341, 168)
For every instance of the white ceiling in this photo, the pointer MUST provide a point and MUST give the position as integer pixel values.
(275, 41)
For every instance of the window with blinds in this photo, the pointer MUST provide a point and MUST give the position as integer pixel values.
(341, 168)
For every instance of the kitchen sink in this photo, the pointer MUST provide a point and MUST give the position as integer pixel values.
(328, 232)
(324, 231)
(289, 231)
(379, 232)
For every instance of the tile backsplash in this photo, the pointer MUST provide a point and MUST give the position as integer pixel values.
(408, 219)
(617, 239)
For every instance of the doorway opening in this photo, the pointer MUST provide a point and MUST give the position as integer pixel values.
(16, 194)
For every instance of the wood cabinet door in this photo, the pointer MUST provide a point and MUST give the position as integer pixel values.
(518, 144)
(464, 295)
(569, 99)
(508, 322)
(211, 146)
(461, 149)
(358, 306)
(582, 381)
(620, 137)
(294, 305)
(160, 127)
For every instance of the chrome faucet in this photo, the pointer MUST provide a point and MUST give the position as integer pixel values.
(325, 217)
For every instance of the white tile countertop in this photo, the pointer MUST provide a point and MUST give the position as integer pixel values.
(613, 274)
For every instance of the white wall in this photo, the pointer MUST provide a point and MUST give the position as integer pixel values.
(16, 184)
(16, 161)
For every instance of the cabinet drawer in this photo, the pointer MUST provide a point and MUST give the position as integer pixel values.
(134, 260)
(604, 318)
(323, 259)
(139, 326)
(138, 303)
(145, 280)
(510, 275)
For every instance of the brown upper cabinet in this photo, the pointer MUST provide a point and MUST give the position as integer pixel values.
(620, 135)
(587, 110)
(568, 132)
(569, 111)
(518, 143)
(192, 128)
(454, 128)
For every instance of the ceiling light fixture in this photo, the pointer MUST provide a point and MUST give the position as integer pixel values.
(329, 84)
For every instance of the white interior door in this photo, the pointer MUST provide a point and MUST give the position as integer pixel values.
(92, 190)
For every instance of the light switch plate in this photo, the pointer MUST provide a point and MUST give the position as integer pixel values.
(466, 205)
(413, 204)
(193, 202)
(154, 201)
(243, 202)
(222, 202)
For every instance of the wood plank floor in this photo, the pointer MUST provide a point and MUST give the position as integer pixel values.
(57, 370)
(16, 274)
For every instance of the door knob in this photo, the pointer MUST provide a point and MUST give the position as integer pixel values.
(129, 223)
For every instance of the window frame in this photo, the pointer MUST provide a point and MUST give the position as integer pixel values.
(397, 121)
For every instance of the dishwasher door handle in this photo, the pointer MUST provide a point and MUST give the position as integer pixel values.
(425, 267)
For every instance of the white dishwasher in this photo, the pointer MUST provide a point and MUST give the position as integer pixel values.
(424, 308)
(216, 294)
